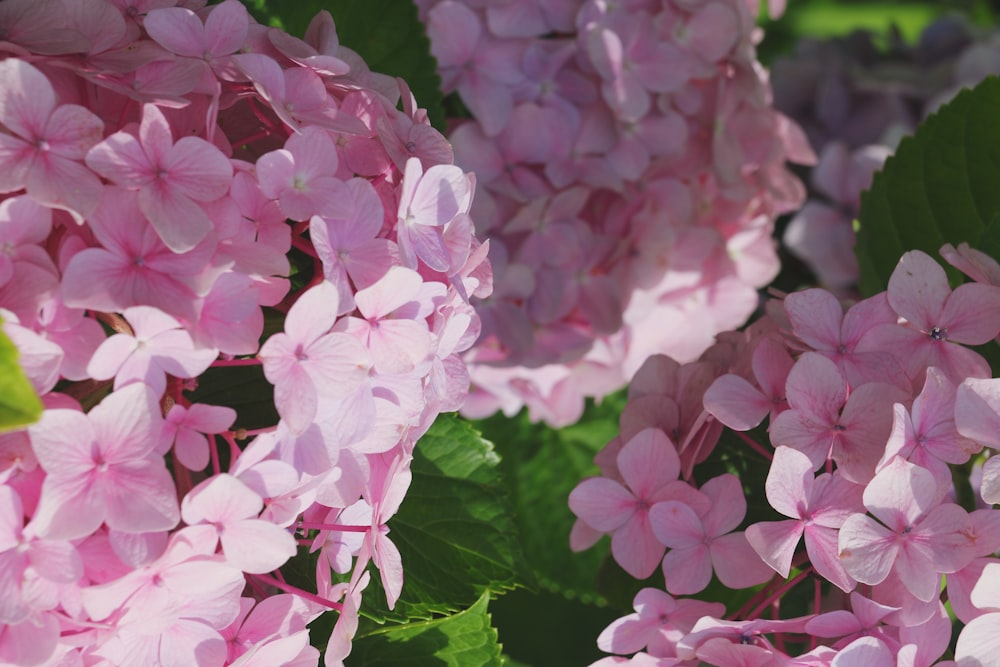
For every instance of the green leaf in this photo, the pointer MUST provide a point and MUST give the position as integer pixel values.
(541, 467)
(940, 187)
(19, 405)
(386, 33)
(455, 530)
(243, 388)
(465, 639)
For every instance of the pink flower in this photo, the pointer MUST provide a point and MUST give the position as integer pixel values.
(308, 362)
(658, 624)
(940, 318)
(818, 508)
(169, 177)
(157, 347)
(700, 544)
(429, 201)
(102, 468)
(46, 144)
(302, 175)
(184, 430)
(649, 466)
(826, 421)
(231, 508)
(132, 266)
(393, 329)
(920, 538)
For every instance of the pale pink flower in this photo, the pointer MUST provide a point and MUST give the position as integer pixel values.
(157, 347)
(818, 507)
(231, 508)
(429, 201)
(46, 144)
(102, 468)
(921, 538)
(658, 623)
(170, 177)
(301, 176)
(827, 421)
(396, 336)
(184, 429)
(132, 266)
(307, 361)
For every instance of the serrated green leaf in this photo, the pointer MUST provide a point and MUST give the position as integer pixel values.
(386, 33)
(465, 639)
(19, 405)
(939, 187)
(455, 529)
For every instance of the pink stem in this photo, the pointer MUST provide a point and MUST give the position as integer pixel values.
(773, 597)
(754, 445)
(288, 588)
(312, 525)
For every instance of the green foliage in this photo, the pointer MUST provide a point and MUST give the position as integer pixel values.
(541, 466)
(386, 33)
(940, 187)
(19, 405)
(455, 530)
(465, 639)
(243, 388)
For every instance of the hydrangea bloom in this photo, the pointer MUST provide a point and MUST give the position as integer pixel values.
(865, 465)
(159, 162)
(630, 168)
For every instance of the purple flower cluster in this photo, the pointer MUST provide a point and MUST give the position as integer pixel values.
(630, 168)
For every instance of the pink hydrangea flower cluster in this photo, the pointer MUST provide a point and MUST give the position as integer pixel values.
(159, 161)
(877, 416)
(630, 168)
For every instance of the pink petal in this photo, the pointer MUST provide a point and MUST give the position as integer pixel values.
(647, 462)
(736, 403)
(603, 504)
(635, 548)
(972, 314)
(675, 524)
(220, 499)
(69, 508)
(177, 29)
(977, 410)
(140, 497)
(867, 549)
(775, 542)
(918, 289)
(127, 423)
(397, 287)
(736, 563)
(180, 223)
(822, 548)
(28, 98)
(979, 641)
(900, 493)
(688, 570)
(256, 546)
(729, 504)
(816, 318)
(198, 169)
